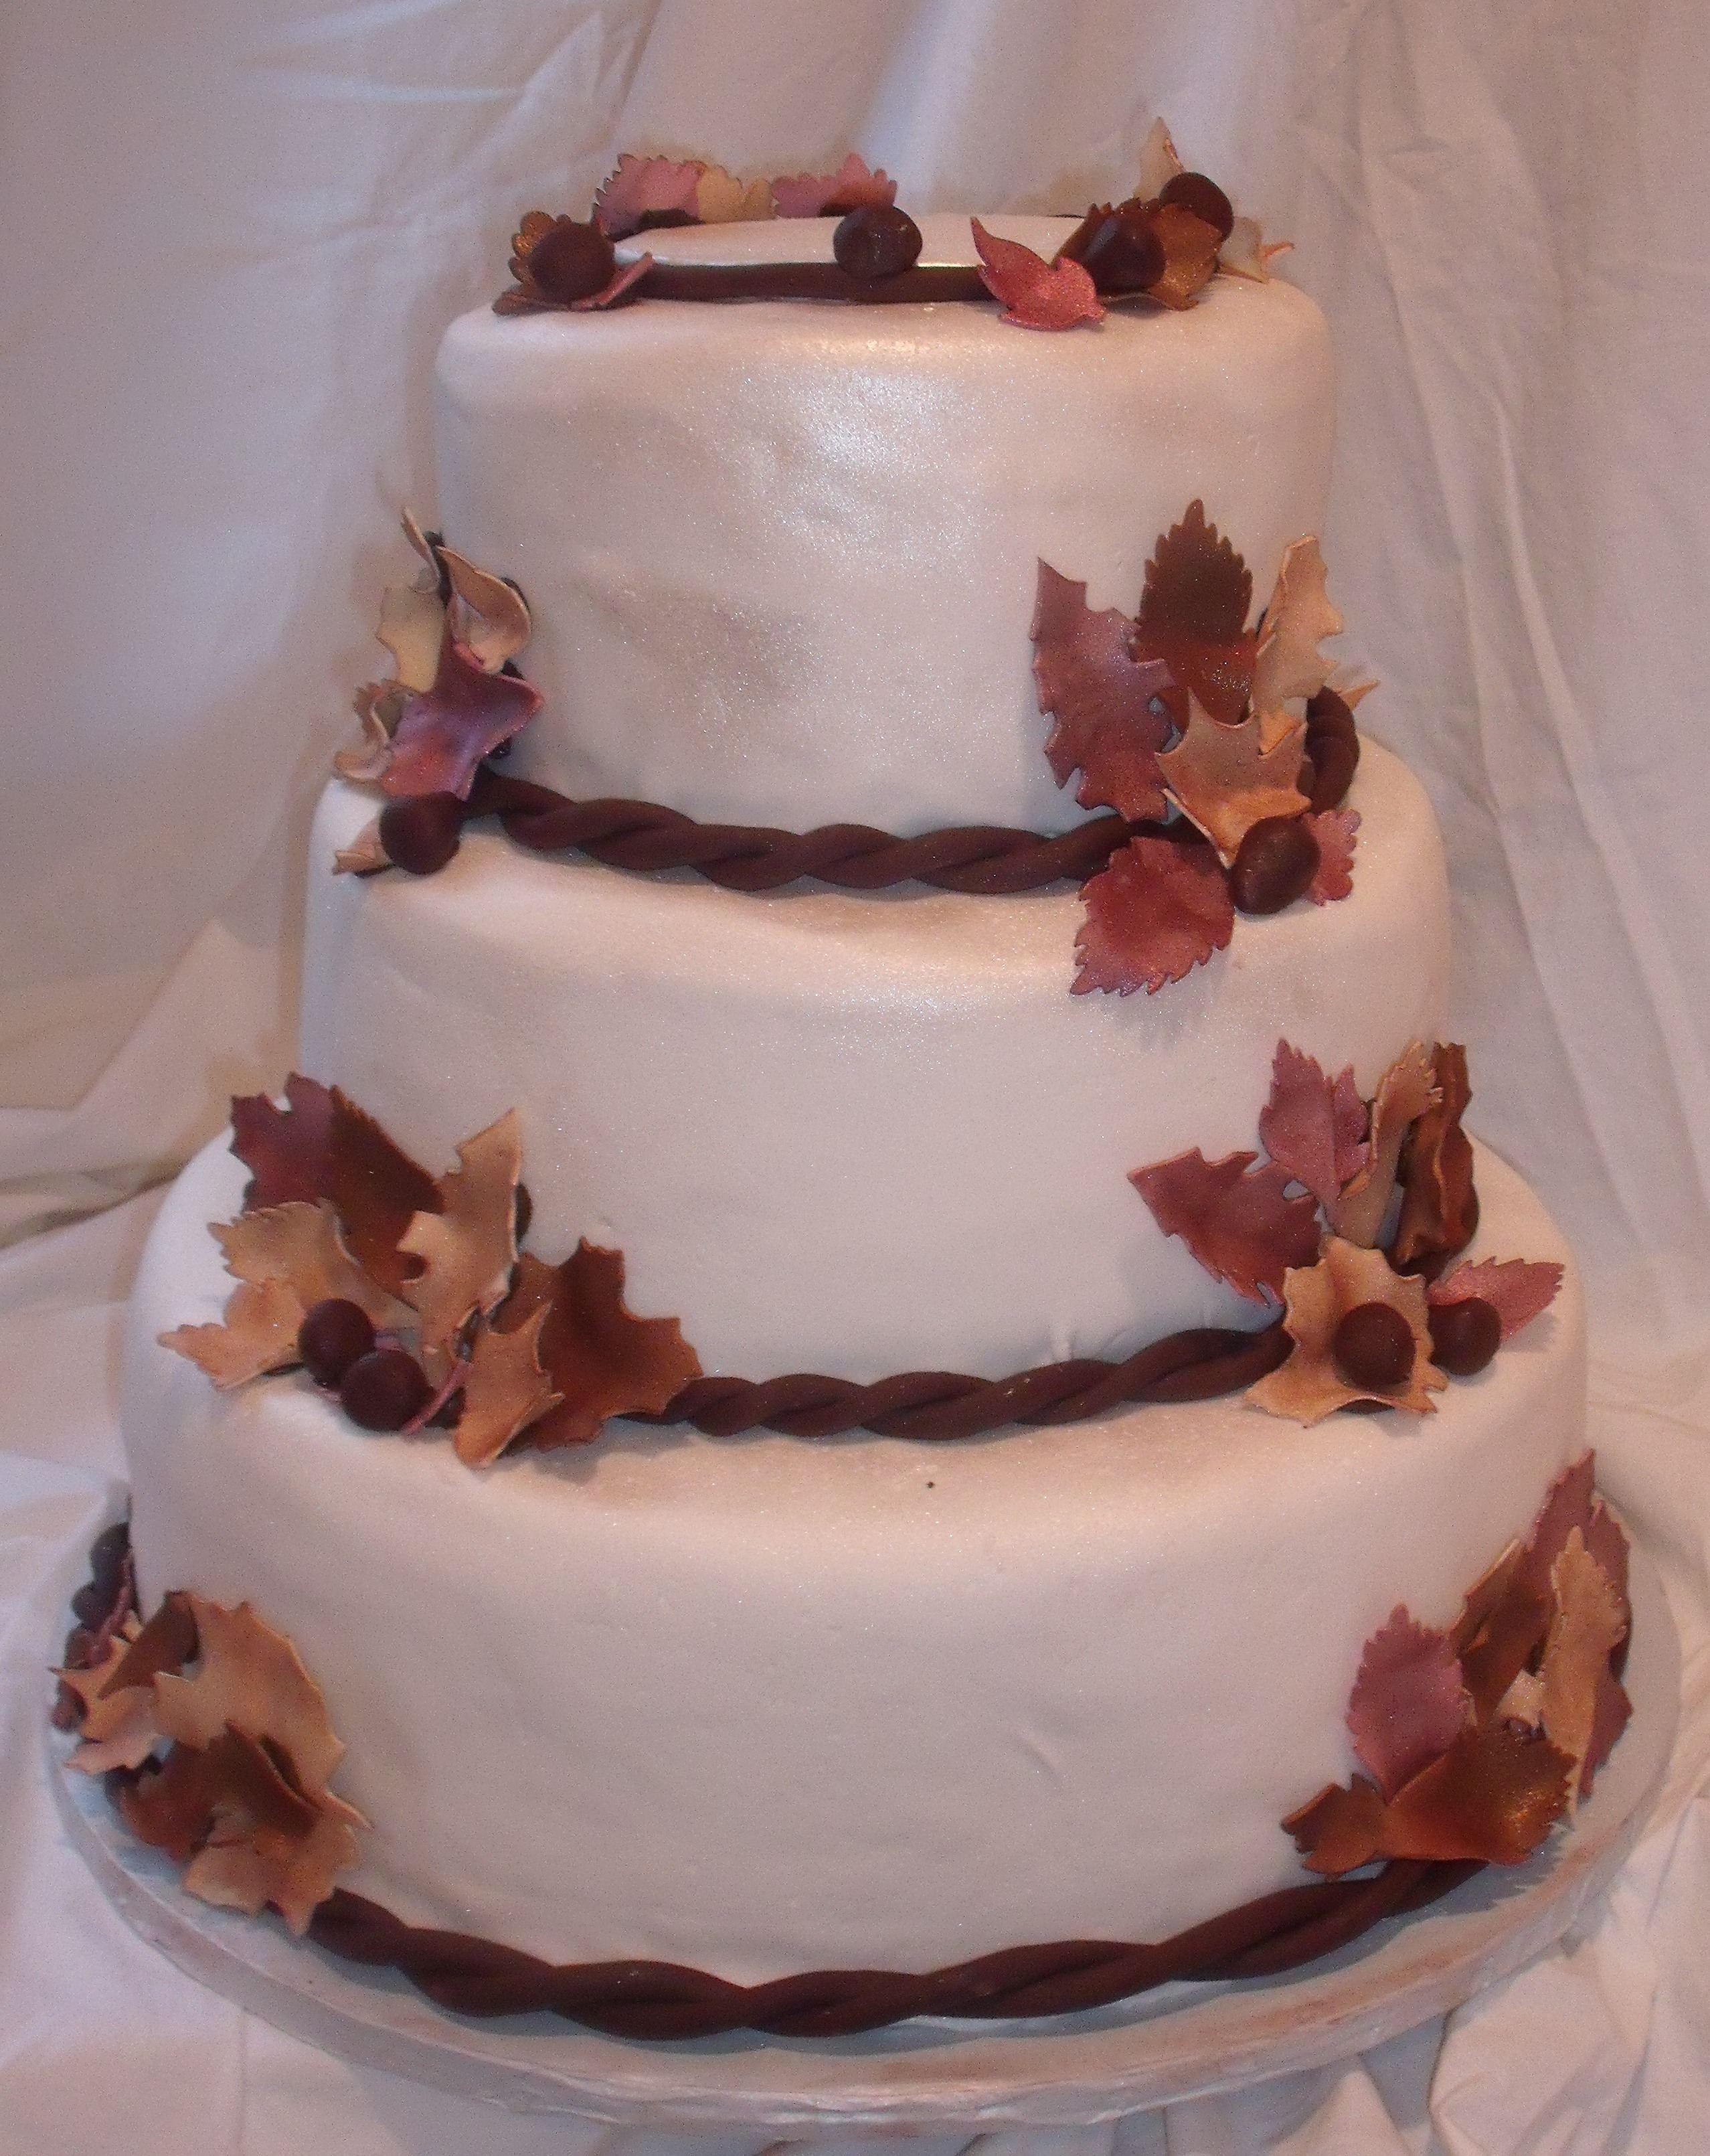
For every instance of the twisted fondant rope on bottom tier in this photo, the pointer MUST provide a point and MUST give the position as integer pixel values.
(1201, 1364)
(663, 2001)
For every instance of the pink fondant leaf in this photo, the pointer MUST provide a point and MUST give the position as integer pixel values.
(444, 731)
(1313, 1128)
(1233, 1218)
(1409, 1702)
(1334, 830)
(1157, 911)
(852, 186)
(642, 188)
(1109, 723)
(1036, 294)
(1517, 1291)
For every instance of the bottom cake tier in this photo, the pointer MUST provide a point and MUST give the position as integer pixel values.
(767, 1704)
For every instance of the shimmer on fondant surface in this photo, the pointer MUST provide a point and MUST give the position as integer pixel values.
(852, 1134)
(763, 1704)
(781, 557)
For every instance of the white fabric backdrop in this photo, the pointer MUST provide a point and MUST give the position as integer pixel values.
(231, 238)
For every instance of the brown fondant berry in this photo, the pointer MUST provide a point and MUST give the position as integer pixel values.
(874, 241)
(1331, 712)
(1465, 1335)
(383, 1388)
(96, 1598)
(1121, 252)
(1278, 858)
(572, 261)
(1193, 191)
(423, 832)
(333, 1333)
(1373, 1346)
(1334, 758)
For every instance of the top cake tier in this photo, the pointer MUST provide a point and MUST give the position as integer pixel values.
(782, 555)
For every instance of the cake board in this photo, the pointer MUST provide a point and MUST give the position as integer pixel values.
(1180, 2041)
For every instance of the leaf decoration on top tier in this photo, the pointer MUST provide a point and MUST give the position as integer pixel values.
(1157, 911)
(1034, 294)
(852, 186)
(1110, 718)
(1234, 1217)
(646, 193)
(1190, 252)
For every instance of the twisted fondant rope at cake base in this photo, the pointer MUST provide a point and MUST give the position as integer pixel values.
(661, 2001)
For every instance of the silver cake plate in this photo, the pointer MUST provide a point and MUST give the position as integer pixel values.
(1085, 2069)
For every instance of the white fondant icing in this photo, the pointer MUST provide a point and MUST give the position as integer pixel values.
(767, 1704)
(782, 555)
(853, 1133)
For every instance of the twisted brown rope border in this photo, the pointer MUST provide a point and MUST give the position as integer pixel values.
(1198, 1364)
(662, 2001)
(988, 860)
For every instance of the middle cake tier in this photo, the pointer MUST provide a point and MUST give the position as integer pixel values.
(852, 1134)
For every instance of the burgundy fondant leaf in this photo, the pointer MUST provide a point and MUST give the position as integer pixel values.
(1515, 1290)
(1193, 617)
(1334, 830)
(1035, 294)
(445, 730)
(644, 189)
(1439, 1205)
(852, 186)
(1313, 1126)
(285, 1149)
(1409, 1703)
(599, 1359)
(1233, 1218)
(1110, 724)
(1157, 909)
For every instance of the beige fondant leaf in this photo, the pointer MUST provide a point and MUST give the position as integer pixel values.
(1316, 1298)
(505, 1390)
(367, 765)
(301, 1244)
(366, 853)
(469, 1247)
(1299, 616)
(249, 1871)
(1160, 162)
(1589, 1625)
(496, 624)
(1226, 778)
(413, 628)
(1246, 253)
(1404, 1093)
(722, 198)
(258, 1333)
(118, 1728)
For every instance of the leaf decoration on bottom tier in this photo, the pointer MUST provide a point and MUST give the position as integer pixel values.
(243, 1796)
(1478, 1738)
(409, 1295)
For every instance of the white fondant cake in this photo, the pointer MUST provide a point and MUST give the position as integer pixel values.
(771, 1703)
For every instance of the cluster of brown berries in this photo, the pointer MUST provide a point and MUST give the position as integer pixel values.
(378, 1387)
(1374, 1347)
(1120, 247)
(1278, 857)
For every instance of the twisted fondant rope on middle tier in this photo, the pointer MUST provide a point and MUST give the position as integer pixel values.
(1198, 1364)
(987, 859)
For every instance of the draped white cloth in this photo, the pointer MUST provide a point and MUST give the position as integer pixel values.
(231, 237)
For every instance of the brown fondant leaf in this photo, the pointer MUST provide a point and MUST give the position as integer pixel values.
(1190, 248)
(1409, 1703)
(602, 1360)
(444, 731)
(504, 1390)
(413, 628)
(1233, 1218)
(1035, 294)
(300, 1244)
(1299, 617)
(257, 1333)
(1154, 912)
(1439, 1205)
(1590, 1623)
(1333, 832)
(1160, 162)
(720, 199)
(1110, 722)
(467, 1242)
(1406, 1090)
(1193, 617)
(1224, 779)
(852, 186)
(1310, 1384)
(1517, 1290)
(1504, 1644)
(1338, 1830)
(1313, 1126)
(494, 622)
(285, 1149)
(646, 190)
(1491, 1798)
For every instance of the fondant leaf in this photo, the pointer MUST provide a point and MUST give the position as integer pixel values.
(1246, 253)
(413, 628)
(1439, 1205)
(285, 1149)
(1226, 778)
(504, 1390)
(1491, 1798)
(1517, 1291)
(467, 1242)
(720, 199)
(1160, 162)
(644, 189)
(1299, 617)
(367, 765)
(1110, 724)
(444, 731)
(1409, 1702)
(1190, 248)
(494, 617)
(257, 1333)
(1232, 1217)
(1154, 912)
(366, 853)
(1590, 1623)
(601, 1359)
(852, 186)
(1311, 1383)
(300, 1244)
(1334, 830)
(1406, 1090)
(1193, 617)
(117, 1727)
(255, 1870)
(1035, 294)
(1313, 1126)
